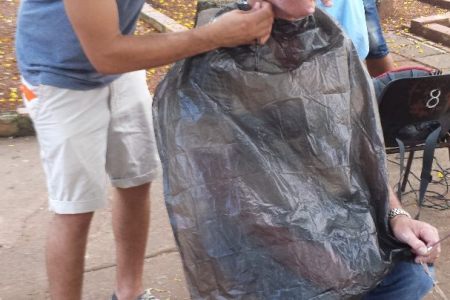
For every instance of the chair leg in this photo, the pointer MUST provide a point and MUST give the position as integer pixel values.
(408, 169)
(448, 153)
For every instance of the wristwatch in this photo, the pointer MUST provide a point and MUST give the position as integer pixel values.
(396, 212)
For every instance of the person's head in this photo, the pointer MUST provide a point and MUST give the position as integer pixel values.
(293, 9)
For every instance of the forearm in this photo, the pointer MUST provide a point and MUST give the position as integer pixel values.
(394, 202)
(418, 235)
(128, 53)
(96, 24)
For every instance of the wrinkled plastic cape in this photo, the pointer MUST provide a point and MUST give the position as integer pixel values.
(274, 168)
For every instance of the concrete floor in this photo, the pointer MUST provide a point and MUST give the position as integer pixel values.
(23, 222)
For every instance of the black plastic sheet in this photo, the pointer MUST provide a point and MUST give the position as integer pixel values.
(274, 168)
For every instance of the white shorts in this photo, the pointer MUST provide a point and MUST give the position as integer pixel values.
(85, 135)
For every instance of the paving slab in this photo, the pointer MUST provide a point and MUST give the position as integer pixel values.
(410, 50)
(439, 19)
(441, 61)
(164, 276)
(415, 50)
(435, 28)
(23, 223)
(393, 39)
(407, 63)
(398, 58)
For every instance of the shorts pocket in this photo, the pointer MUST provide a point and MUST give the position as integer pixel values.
(31, 96)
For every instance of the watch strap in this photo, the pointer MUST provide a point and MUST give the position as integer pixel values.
(397, 212)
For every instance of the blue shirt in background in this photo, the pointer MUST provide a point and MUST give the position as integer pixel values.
(48, 51)
(351, 16)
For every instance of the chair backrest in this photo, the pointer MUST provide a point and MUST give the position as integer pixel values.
(411, 108)
(414, 110)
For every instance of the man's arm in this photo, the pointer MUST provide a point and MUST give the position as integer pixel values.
(96, 24)
(418, 235)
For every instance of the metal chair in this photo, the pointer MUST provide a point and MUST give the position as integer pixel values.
(414, 103)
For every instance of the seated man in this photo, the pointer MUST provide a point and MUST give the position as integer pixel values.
(261, 148)
(350, 14)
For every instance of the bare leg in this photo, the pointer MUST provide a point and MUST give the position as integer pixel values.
(66, 246)
(131, 216)
(378, 66)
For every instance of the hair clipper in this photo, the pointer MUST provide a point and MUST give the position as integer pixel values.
(243, 5)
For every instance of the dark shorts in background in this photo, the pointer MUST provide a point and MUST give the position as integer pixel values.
(377, 43)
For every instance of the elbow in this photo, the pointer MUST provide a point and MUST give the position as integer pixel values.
(105, 65)
(107, 61)
(105, 70)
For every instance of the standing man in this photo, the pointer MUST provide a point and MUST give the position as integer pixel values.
(349, 14)
(93, 118)
(361, 22)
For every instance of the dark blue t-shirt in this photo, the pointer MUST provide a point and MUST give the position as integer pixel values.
(48, 51)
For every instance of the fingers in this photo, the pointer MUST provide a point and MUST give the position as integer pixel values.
(417, 246)
(430, 257)
(270, 18)
(420, 249)
(238, 27)
(419, 236)
(262, 15)
(264, 39)
(327, 3)
(261, 10)
(256, 6)
(430, 236)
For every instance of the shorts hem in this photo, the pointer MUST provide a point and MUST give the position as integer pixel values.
(70, 208)
(136, 181)
(377, 55)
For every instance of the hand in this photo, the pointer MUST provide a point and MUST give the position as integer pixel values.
(418, 235)
(243, 27)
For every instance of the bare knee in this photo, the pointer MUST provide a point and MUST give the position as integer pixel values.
(140, 192)
(78, 223)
